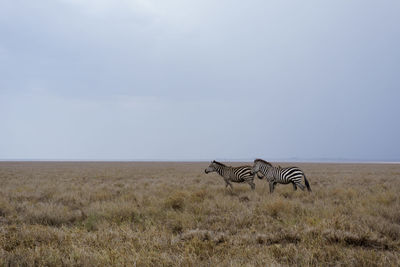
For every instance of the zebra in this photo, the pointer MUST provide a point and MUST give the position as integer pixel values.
(242, 174)
(280, 175)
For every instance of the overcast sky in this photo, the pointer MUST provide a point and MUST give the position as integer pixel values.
(200, 80)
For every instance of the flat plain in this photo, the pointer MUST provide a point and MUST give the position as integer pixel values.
(173, 214)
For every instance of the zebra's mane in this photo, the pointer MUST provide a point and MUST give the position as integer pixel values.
(219, 163)
(263, 161)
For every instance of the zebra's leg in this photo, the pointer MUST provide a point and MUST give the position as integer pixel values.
(230, 185)
(294, 186)
(301, 186)
(252, 185)
(271, 187)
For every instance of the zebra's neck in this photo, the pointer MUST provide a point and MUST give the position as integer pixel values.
(222, 170)
(267, 169)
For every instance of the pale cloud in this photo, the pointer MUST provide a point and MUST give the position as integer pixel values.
(105, 8)
(176, 13)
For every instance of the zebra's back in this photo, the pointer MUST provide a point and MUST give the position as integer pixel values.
(241, 174)
(289, 174)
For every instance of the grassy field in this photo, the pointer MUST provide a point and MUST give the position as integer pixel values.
(125, 214)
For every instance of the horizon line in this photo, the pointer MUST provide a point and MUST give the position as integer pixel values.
(316, 160)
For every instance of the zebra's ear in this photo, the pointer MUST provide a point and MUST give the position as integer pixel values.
(213, 161)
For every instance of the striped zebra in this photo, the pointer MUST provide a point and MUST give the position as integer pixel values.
(230, 174)
(280, 175)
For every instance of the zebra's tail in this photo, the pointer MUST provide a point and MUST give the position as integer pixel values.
(307, 184)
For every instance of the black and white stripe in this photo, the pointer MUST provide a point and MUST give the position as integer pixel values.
(280, 175)
(241, 174)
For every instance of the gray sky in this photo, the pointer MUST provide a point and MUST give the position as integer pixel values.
(187, 80)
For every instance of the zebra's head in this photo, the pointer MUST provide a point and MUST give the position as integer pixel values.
(258, 163)
(256, 167)
(213, 167)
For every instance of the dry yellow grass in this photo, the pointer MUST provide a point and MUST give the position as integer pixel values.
(91, 214)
